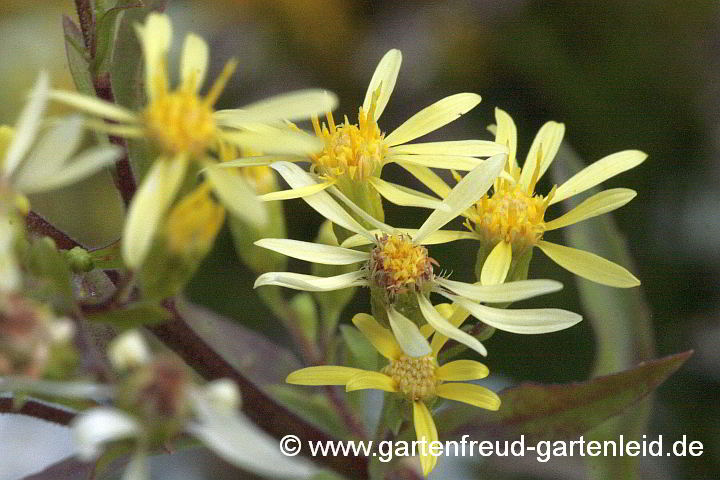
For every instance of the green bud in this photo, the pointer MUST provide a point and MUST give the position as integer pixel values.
(80, 260)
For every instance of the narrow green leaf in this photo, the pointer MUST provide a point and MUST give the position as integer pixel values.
(77, 57)
(560, 412)
(105, 31)
(313, 407)
(363, 354)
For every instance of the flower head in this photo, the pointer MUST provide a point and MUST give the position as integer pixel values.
(511, 219)
(184, 127)
(400, 273)
(418, 380)
(354, 154)
(32, 163)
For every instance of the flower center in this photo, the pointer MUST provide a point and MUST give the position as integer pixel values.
(352, 151)
(397, 265)
(510, 214)
(180, 121)
(414, 377)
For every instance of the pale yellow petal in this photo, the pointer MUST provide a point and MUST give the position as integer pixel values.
(49, 153)
(81, 166)
(497, 264)
(506, 134)
(403, 196)
(588, 265)
(322, 202)
(407, 334)
(468, 393)
(380, 337)
(313, 252)
(237, 196)
(531, 321)
(370, 380)
(542, 152)
(296, 192)
(444, 327)
(322, 375)
(462, 371)
(598, 172)
(467, 148)
(27, 126)
(506, 292)
(194, 62)
(447, 162)
(602, 202)
(468, 191)
(385, 76)
(428, 178)
(291, 106)
(456, 316)
(359, 212)
(94, 106)
(280, 141)
(433, 117)
(426, 433)
(311, 283)
(149, 205)
(155, 37)
(435, 238)
(260, 161)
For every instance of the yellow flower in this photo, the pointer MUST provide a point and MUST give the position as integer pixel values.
(418, 380)
(401, 275)
(184, 127)
(32, 163)
(511, 219)
(354, 154)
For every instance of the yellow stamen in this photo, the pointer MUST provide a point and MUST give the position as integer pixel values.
(219, 85)
(351, 150)
(510, 215)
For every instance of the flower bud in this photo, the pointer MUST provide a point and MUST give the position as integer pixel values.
(128, 351)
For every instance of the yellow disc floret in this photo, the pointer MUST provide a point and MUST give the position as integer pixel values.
(399, 266)
(354, 151)
(194, 222)
(180, 121)
(511, 215)
(414, 377)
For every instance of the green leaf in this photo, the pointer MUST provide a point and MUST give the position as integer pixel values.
(133, 316)
(77, 57)
(105, 31)
(361, 350)
(559, 412)
(620, 318)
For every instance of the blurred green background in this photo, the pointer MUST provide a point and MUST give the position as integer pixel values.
(621, 75)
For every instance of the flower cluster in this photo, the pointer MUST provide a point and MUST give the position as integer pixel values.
(202, 166)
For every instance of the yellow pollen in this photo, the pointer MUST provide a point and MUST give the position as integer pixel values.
(510, 214)
(398, 265)
(414, 377)
(180, 121)
(355, 151)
